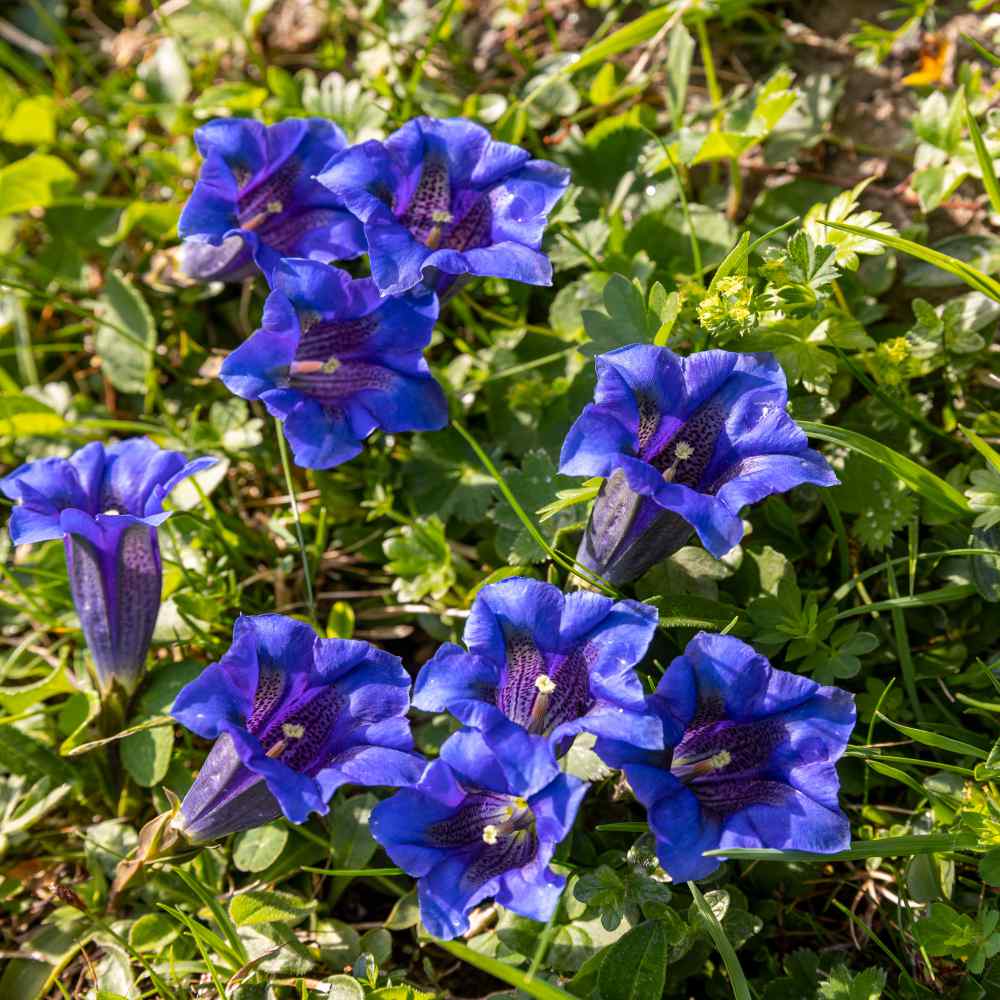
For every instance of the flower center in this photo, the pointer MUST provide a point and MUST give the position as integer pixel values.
(687, 456)
(686, 768)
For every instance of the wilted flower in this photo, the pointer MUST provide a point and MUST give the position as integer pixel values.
(472, 829)
(441, 195)
(749, 758)
(257, 185)
(684, 443)
(293, 717)
(106, 504)
(334, 361)
(541, 663)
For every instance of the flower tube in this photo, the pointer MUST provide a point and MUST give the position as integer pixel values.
(293, 717)
(334, 361)
(472, 829)
(106, 504)
(544, 664)
(255, 199)
(440, 195)
(748, 759)
(683, 444)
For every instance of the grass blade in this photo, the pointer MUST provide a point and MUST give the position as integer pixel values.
(861, 850)
(972, 276)
(990, 182)
(505, 973)
(725, 948)
(932, 488)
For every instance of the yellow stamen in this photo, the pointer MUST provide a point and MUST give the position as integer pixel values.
(278, 749)
(683, 451)
(545, 684)
(293, 730)
(490, 834)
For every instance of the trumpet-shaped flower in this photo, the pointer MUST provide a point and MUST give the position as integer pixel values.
(684, 444)
(749, 758)
(541, 663)
(293, 717)
(256, 183)
(440, 195)
(335, 361)
(106, 504)
(472, 829)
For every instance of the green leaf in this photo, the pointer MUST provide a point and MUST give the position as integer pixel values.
(635, 967)
(343, 988)
(679, 54)
(973, 277)
(536, 988)
(256, 849)
(23, 754)
(33, 182)
(262, 906)
(634, 33)
(989, 867)
(722, 943)
(844, 985)
(933, 489)
(155, 218)
(126, 339)
(32, 123)
(152, 932)
(623, 321)
(936, 740)
(420, 557)
(146, 755)
(887, 847)
(25, 416)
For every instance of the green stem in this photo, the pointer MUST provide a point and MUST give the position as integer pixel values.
(290, 486)
(738, 981)
(903, 649)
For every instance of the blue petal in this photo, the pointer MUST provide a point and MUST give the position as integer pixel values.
(532, 894)
(555, 807)
(257, 364)
(321, 437)
(445, 900)
(298, 794)
(223, 693)
(453, 675)
(371, 766)
(504, 259)
(520, 602)
(468, 753)
(523, 202)
(797, 824)
(210, 212)
(28, 526)
(683, 832)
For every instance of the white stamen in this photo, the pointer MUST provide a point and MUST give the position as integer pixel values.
(683, 451)
(293, 731)
(490, 834)
(111, 512)
(274, 207)
(721, 759)
(545, 684)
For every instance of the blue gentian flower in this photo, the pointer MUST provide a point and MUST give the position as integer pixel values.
(472, 829)
(293, 717)
(257, 184)
(440, 195)
(749, 758)
(106, 504)
(334, 361)
(683, 443)
(541, 663)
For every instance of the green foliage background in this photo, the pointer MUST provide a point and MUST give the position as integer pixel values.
(711, 143)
